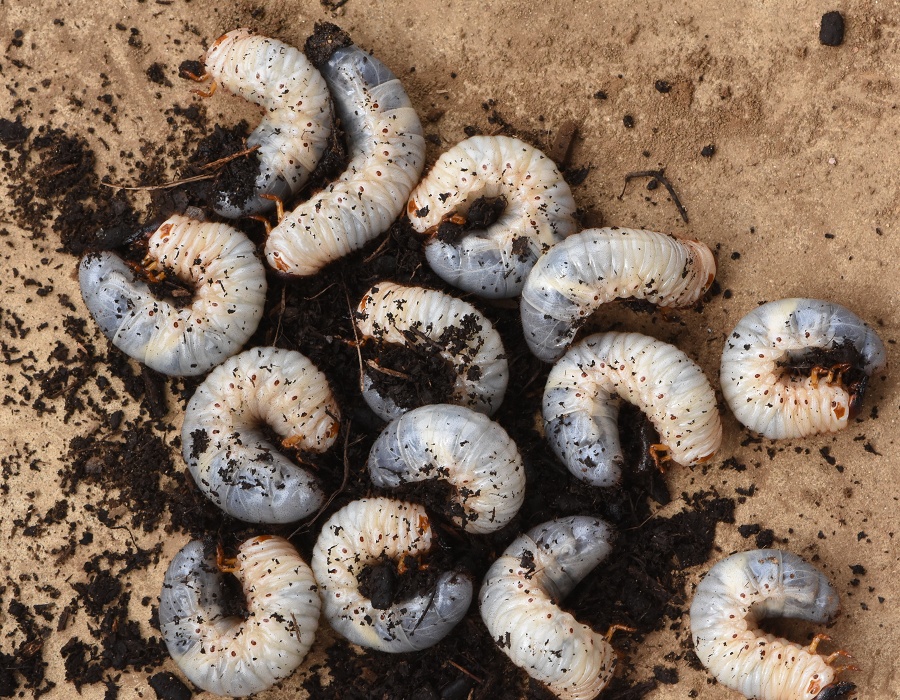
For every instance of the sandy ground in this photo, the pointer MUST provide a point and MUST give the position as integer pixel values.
(800, 198)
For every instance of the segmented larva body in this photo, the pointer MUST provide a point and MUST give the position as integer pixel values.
(387, 152)
(494, 261)
(297, 114)
(768, 399)
(581, 403)
(364, 533)
(230, 458)
(239, 655)
(747, 587)
(229, 284)
(392, 313)
(588, 269)
(465, 448)
(519, 605)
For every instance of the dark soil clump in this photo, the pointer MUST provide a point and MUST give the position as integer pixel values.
(325, 40)
(411, 375)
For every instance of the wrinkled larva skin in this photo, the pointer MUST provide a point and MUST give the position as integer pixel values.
(229, 457)
(593, 267)
(763, 396)
(388, 312)
(363, 533)
(465, 448)
(520, 606)
(493, 262)
(743, 589)
(387, 152)
(229, 294)
(235, 656)
(297, 113)
(581, 403)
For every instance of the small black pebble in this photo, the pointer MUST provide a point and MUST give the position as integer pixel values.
(831, 32)
(662, 86)
(735, 255)
(600, 95)
(652, 185)
(708, 151)
(628, 121)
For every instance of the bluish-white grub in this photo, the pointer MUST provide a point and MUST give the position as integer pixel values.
(236, 655)
(297, 115)
(229, 283)
(230, 458)
(364, 533)
(771, 400)
(583, 393)
(593, 267)
(461, 446)
(539, 212)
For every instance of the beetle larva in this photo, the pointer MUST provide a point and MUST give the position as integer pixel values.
(749, 586)
(239, 655)
(297, 115)
(519, 606)
(229, 284)
(537, 211)
(364, 533)
(456, 330)
(465, 448)
(588, 269)
(581, 403)
(387, 152)
(231, 460)
(799, 367)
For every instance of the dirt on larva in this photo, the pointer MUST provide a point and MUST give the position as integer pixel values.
(774, 144)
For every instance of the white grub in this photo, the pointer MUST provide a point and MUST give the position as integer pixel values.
(364, 533)
(297, 114)
(747, 587)
(539, 211)
(582, 394)
(456, 330)
(776, 403)
(593, 267)
(466, 449)
(223, 444)
(229, 283)
(387, 153)
(520, 606)
(239, 655)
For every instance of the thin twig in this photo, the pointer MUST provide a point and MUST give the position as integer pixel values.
(346, 479)
(280, 316)
(175, 183)
(362, 384)
(221, 161)
(384, 370)
(378, 250)
(660, 177)
(468, 673)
